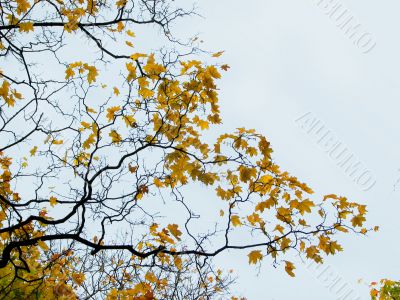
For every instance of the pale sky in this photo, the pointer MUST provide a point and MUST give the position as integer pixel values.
(289, 58)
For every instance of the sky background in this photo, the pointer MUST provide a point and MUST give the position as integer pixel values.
(288, 58)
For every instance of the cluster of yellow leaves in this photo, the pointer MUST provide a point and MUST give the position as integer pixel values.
(92, 72)
(45, 283)
(74, 15)
(163, 236)
(92, 137)
(283, 202)
(153, 69)
(9, 95)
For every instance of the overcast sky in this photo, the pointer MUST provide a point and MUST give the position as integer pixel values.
(289, 58)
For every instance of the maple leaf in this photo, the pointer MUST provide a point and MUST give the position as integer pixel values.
(26, 27)
(289, 267)
(225, 67)
(53, 201)
(78, 278)
(130, 33)
(22, 6)
(173, 228)
(255, 256)
(151, 277)
(247, 173)
(236, 221)
(111, 112)
(92, 73)
(115, 136)
(218, 54)
(358, 220)
(69, 72)
(33, 151)
(136, 56)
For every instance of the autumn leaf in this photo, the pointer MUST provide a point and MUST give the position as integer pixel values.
(289, 267)
(69, 72)
(53, 201)
(225, 67)
(22, 6)
(26, 27)
(218, 54)
(132, 169)
(151, 277)
(136, 56)
(78, 278)
(255, 256)
(115, 137)
(173, 228)
(43, 245)
(33, 151)
(111, 112)
(358, 220)
(236, 221)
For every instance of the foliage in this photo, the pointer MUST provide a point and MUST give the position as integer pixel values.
(102, 148)
(385, 290)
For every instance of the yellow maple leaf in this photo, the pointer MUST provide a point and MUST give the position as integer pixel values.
(158, 183)
(136, 56)
(78, 278)
(115, 136)
(247, 173)
(357, 220)
(173, 228)
(57, 142)
(26, 27)
(130, 33)
(255, 256)
(218, 54)
(53, 201)
(289, 267)
(33, 151)
(69, 72)
(22, 6)
(236, 221)
(92, 73)
(120, 26)
(121, 3)
(111, 112)
(151, 277)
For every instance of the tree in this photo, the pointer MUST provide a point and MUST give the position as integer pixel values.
(103, 146)
(385, 290)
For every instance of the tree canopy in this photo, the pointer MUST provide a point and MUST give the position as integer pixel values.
(108, 155)
(385, 290)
